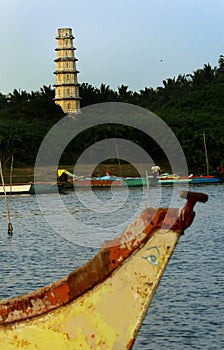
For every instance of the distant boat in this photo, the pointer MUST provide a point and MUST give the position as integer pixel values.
(96, 183)
(141, 181)
(31, 188)
(206, 179)
(104, 181)
(167, 179)
(102, 304)
(19, 188)
(173, 179)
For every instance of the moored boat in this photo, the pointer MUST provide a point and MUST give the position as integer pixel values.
(96, 183)
(115, 181)
(31, 188)
(205, 179)
(100, 305)
(105, 181)
(134, 181)
(168, 179)
(20, 188)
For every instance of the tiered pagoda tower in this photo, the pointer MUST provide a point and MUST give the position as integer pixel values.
(66, 86)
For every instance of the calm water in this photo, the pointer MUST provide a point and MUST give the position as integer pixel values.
(187, 311)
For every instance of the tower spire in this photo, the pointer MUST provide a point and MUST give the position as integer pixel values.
(66, 86)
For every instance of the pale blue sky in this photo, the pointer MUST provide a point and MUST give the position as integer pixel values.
(118, 41)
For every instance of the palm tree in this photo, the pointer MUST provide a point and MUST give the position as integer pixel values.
(221, 63)
(18, 96)
(107, 94)
(89, 93)
(208, 73)
(3, 101)
(124, 95)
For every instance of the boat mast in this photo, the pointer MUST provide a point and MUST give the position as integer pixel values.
(206, 154)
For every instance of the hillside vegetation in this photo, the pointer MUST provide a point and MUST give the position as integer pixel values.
(192, 105)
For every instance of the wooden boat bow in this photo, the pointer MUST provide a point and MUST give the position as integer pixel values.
(124, 260)
(194, 197)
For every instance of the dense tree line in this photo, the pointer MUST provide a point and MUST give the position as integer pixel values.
(191, 104)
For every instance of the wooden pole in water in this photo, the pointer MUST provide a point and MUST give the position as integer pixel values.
(206, 154)
(10, 228)
(11, 170)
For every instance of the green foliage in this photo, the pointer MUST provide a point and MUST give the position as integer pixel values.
(25, 119)
(190, 104)
(197, 112)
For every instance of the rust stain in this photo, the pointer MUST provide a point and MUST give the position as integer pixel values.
(59, 295)
(131, 343)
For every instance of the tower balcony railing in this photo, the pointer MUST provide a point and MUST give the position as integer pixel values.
(72, 83)
(60, 98)
(64, 36)
(65, 58)
(66, 71)
(60, 48)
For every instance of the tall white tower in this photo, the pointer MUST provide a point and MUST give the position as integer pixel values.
(66, 86)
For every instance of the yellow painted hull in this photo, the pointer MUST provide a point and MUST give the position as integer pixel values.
(108, 315)
(90, 322)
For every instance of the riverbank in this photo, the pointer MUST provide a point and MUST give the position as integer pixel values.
(26, 174)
